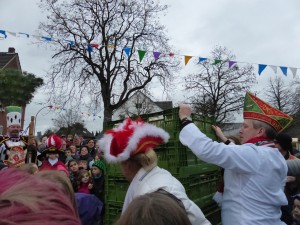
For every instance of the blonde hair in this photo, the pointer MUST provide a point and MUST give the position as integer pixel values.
(147, 160)
(30, 168)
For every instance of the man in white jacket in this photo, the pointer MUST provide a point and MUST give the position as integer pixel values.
(255, 171)
(132, 145)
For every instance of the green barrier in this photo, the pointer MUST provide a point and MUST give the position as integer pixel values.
(200, 179)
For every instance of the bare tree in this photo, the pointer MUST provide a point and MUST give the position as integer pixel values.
(218, 90)
(281, 95)
(89, 37)
(67, 119)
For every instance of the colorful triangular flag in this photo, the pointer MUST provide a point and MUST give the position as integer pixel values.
(156, 55)
(261, 68)
(217, 61)
(284, 70)
(142, 54)
(127, 51)
(94, 45)
(202, 59)
(47, 38)
(187, 59)
(231, 63)
(4, 33)
(72, 43)
(89, 48)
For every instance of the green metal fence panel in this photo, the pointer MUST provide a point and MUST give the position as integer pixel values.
(200, 179)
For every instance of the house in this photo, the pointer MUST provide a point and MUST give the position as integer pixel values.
(139, 104)
(9, 60)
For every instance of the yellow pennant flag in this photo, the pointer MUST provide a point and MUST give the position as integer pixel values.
(187, 59)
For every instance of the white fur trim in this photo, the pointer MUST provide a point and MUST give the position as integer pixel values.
(141, 130)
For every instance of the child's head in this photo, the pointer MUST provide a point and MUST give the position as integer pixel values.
(52, 156)
(68, 152)
(73, 165)
(98, 168)
(83, 164)
(296, 208)
(73, 149)
(84, 176)
(30, 168)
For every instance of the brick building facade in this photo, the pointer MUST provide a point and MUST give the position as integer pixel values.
(9, 60)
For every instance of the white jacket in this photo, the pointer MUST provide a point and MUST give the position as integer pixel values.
(254, 178)
(158, 178)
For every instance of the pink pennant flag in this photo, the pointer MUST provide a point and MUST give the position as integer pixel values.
(94, 45)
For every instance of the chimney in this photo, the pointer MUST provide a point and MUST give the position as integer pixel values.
(11, 50)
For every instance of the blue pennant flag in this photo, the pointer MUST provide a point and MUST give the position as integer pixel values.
(72, 43)
(47, 38)
(261, 68)
(284, 70)
(202, 59)
(4, 33)
(127, 51)
(90, 48)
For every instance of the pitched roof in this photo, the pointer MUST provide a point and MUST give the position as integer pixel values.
(165, 104)
(10, 59)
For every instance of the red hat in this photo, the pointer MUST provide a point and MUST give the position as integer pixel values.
(131, 138)
(53, 144)
(257, 109)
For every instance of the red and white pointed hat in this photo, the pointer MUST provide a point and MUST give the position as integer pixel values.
(131, 138)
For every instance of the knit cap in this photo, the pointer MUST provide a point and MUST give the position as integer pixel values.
(99, 164)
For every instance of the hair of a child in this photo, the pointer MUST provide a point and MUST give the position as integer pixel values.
(30, 200)
(154, 208)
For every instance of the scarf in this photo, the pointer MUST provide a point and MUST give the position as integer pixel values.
(262, 141)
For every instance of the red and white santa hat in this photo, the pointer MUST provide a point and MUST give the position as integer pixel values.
(53, 144)
(131, 138)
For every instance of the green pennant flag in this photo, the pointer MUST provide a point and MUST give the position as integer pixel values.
(142, 53)
(217, 61)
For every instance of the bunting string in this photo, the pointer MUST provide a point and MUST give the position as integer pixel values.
(4, 34)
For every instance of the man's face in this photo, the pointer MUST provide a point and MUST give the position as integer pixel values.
(248, 132)
(14, 131)
(91, 144)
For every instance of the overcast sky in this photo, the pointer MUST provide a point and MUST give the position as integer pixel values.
(256, 31)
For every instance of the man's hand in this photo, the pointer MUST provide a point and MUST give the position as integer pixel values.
(184, 111)
(219, 133)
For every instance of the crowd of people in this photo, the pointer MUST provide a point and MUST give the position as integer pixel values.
(62, 179)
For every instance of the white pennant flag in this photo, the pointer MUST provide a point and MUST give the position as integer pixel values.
(36, 37)
(294, 71)
(12, 33)
(274, 68)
